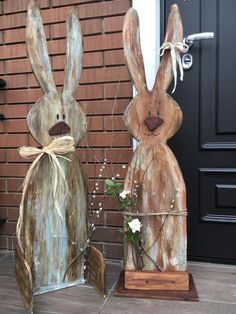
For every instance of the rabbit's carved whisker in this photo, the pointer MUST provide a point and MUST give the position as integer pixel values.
(59, 128)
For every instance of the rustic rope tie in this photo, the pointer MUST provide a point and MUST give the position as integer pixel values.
(175, 50)
(54, 150)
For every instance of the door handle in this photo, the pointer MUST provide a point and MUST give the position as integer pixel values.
(189, 40)
(187, 58)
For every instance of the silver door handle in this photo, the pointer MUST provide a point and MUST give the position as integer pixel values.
(199, 36)
(187, 59)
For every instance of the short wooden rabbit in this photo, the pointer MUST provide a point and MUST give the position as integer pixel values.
(52, 228)
(152, 118)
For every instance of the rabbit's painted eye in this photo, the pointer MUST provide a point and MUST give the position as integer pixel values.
(158, 112)
(57, 116)
(64, 116)
(149, 113)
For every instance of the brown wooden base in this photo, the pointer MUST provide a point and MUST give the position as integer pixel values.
(189, 295)
(156, 280)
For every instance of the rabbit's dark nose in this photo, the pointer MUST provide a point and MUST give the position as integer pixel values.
(59, 128)
(153, 122)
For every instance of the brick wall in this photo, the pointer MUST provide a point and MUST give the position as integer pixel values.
(105, 90)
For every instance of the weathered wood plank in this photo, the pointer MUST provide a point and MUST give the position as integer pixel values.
(52, 227)
(96, 270)
(180, 295)
(154, 178)
(151, 280)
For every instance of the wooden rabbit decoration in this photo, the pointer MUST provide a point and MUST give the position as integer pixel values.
(52, 228)
(152, 118)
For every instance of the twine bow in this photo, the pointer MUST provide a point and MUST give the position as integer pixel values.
(54, 150)
(175, 50)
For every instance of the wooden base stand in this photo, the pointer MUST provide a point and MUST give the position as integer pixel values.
(181, 295)
(156, 280)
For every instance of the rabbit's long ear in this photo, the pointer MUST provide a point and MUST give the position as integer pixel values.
(73, 55)
(174, 34)
(37, 49)
(132, 49)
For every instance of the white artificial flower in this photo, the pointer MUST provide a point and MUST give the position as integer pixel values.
(123, 194)
(135, 225)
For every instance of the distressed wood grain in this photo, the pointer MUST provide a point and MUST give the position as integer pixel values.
(155, 280)
(152, 118)
(96, 270)
(48, 242)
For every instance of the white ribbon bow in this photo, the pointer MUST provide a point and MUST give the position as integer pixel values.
(175, 57)
(54, 150)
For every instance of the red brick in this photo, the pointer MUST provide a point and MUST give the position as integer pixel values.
(2, 155)
(98, 9)
(56, 15)
(114, 123)
(2, 68)
(13, 170)
(118, 90)
(90, 155)
(121, 155)
(11, 38)
(95, 123)
(91, 185)
(8, 228)
(118, 139)
(107, 234)
(14, 184)
(12, 6)
(16, 126)
(2, 189)
(105, 106)
(59, 3)
(2, 127)
(110, 74)
(108, 203)
(114, 57)
(113, 251)
(16, 81)
(93, 219)
(113, 24)
(90, 59)
(13, 214)
(12, 51)
(32, 95)
(12, 155)
(89, 27)
(12, 199)
(14, 111)
(103, 42)
(12, 21)
(15, 140)
(114, 219)
(93, 171)
(17, 66)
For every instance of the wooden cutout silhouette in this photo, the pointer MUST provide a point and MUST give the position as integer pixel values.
(152, 118)
(48, 243)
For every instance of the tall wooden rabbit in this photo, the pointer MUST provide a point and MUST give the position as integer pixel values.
(52, 227)
(152, 118)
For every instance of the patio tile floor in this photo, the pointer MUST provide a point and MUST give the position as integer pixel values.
(216, 286)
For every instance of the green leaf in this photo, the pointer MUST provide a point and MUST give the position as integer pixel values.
(109, 182)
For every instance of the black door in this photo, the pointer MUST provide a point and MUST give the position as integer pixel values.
(205, 146)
